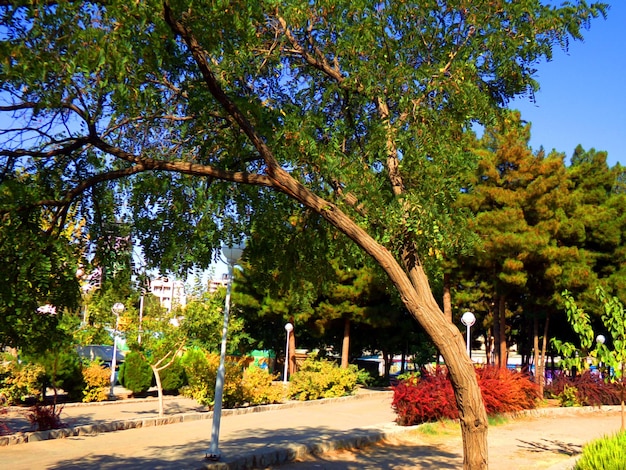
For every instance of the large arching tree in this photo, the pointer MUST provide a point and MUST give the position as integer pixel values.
(196, 115)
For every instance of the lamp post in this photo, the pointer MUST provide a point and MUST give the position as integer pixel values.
(117, 309)
(600, 339)
(288, 329)
(232, 255)
(468, 319)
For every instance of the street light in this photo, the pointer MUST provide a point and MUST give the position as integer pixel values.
(232, 255)
(468, 319)
(288, 329)
(117, 309)
(600, 339)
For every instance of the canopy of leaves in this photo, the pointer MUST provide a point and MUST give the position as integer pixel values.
(38, 270)
(359, 101)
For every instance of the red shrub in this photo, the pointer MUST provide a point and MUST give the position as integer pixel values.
(4, 429)
(506, 391)
(591, 389)
(46, 417)
(431, 398)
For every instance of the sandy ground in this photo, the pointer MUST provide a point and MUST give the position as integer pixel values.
(538, 443)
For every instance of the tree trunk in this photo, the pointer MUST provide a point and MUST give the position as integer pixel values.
(292, 366)
(536, 348)
(157, 378)
(345, 346)
(504, 353)
(489, 346)
(447, 298)
(542, 356)
(496, 331)
(451, 343)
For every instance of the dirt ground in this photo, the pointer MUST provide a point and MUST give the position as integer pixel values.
(538, 443)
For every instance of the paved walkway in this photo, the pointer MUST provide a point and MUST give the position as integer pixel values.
(264, 436)
(273, 434)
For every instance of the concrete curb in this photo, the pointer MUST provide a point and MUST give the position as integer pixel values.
(120, 425)
(291, 452)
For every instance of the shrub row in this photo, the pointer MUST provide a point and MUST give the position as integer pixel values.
(193, 375)
(22, 381)
(430, 397)
(317, 378)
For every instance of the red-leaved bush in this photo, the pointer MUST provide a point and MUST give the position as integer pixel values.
(4, 429)
(428, 399)
(46, 417)
(506, 391)
(590, 389)
(431, 397)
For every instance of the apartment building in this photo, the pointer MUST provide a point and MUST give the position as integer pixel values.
(170, 292)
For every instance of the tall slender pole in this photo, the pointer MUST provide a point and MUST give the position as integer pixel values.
(140, 317)
(288, 328)
(213, 453)
(117, 309)
(468, 319)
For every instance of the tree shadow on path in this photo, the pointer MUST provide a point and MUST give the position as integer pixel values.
(553, 446)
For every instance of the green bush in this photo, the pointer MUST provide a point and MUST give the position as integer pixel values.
(201, 371)
(606, 453)
(20, 381)
(364, 378)
(199, 374)
(320, 378)
(135, 374)
(173, 378)
(64, 371)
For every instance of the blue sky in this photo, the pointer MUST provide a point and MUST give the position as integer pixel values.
(583, 97)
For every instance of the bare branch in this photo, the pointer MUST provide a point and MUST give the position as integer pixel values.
(71, 147)
(188, 168)
(18, 106)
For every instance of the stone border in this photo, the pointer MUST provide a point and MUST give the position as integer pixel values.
(291, 452)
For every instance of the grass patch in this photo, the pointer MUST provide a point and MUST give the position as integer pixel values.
(437, 428)
(606, 453)
(497, 420)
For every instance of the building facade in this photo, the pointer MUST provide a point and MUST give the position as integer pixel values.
(171, 293)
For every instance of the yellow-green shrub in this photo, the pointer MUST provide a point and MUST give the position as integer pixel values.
(97, 380)
(19, 381)
(320, 378)
(201, 371)
(259, 387)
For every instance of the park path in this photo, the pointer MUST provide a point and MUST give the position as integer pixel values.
(552, 440)
(283, 432)
(278, 430)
